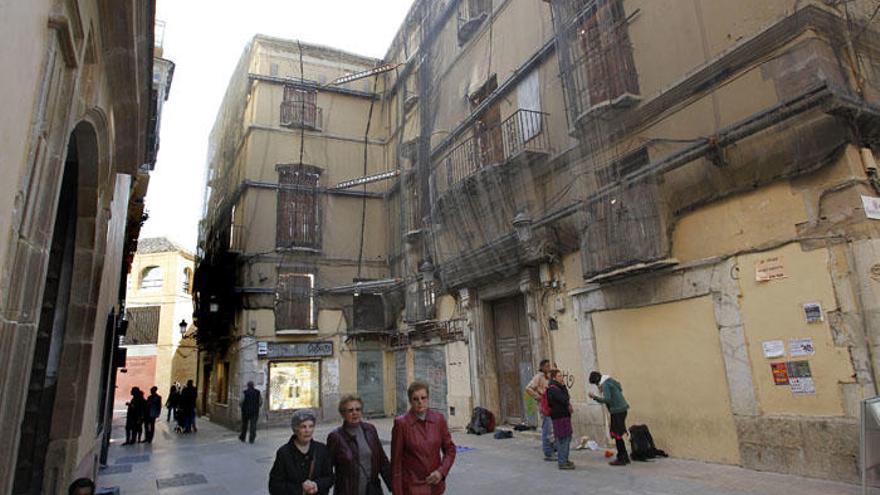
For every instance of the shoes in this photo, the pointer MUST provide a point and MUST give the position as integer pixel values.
(618, 462)
(241, 438)
(550, 458)
(567, 466)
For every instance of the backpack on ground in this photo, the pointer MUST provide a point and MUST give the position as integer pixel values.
(482, 421)
(642, 444)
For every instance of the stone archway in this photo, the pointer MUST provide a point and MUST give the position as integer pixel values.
(58, 381)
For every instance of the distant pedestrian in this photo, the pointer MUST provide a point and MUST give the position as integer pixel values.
(171, 403)
(187, 404)
(250, 411)
(302, 465)
(560, 413)
(153, 411)
(134, 416)
(81, 486)
(537, 388)
(612, 397)
(422, 451)
(356, 452)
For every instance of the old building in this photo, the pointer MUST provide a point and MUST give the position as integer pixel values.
(676, 193)
(78, 139)
(158, 307)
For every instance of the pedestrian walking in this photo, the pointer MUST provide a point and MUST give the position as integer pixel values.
(187, 404)
(134, 416)
(251, 402)
(153, 411)
(356, 452)
(537, 389)
(171, 403)
(560, 414)
(612, 397)
(81, 486)
(422, 451)
(302, 465)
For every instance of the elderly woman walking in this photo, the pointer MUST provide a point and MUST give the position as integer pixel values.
(356, 452)
(302, 465)
(560, 413)
(418, 439)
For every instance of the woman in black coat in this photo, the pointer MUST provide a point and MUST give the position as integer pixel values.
(302, 465)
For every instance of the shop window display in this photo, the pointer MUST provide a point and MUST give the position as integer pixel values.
(294, 385)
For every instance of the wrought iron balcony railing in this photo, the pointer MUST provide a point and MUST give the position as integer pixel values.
(299, 114)
(523, 133)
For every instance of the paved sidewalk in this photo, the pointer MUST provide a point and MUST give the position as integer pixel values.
(213, 461)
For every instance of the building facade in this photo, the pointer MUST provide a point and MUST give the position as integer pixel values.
(80, 108)
(679, 194)
(158, 306)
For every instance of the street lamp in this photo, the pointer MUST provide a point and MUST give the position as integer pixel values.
(183, 325)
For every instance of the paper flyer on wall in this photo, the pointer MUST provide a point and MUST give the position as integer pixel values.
(773, 348)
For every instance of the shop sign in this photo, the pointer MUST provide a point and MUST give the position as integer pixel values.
(298, 349)
(262, 348)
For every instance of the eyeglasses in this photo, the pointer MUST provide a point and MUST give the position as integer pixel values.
(352, 409)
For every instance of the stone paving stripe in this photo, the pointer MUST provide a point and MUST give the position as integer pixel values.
(265, 460)
(459, 449)
(182, 479)
(131, 459)
(117, 469)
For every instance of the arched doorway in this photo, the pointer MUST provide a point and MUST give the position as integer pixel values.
(48, 404)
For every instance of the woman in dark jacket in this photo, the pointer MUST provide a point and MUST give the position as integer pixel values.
(560, 413)
(134, 416)
(302, 465)
(356, 452)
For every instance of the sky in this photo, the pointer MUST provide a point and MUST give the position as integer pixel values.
(205, 39)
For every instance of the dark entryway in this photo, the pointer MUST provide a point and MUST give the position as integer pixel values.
(513, 354)
(37, 421)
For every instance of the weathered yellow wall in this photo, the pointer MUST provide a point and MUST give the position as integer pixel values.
(668, 359)
(774, 311)
(767, 215)
(458, 384)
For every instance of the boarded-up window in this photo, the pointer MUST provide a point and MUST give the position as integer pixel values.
(143, 326)
(369, 312)
(297, 218)
(294, 306)
(300, 108)
(607, 52)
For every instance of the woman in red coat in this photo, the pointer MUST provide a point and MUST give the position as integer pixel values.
(418, 439)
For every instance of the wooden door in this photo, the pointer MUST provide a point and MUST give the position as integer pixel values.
(513, 356)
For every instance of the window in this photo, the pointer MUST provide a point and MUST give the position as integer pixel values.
(297, 217)
(295, 304)
(151, 278)
(300, 108)
(294, 385)
(221, 392)
(273, 69)
(596, 55)
(186, 284)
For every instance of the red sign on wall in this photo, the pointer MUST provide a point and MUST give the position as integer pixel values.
(780, 373)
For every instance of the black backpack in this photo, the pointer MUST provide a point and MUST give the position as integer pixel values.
(482, 421)
(642, 444)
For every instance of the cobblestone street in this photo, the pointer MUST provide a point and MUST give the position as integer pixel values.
(213, 461)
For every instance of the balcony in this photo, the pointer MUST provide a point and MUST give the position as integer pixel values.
(522, 136)
(297, 114)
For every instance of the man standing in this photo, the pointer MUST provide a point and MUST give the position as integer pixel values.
(536, 389)
(187, 403)
(154, 410)
(612, 397)
(250, 411)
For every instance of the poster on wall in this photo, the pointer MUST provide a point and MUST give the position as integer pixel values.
(773, 348)
(801, 347)
(800, 378)
(780, 373)
(872, 207)
(813, 312)
(768, 269)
